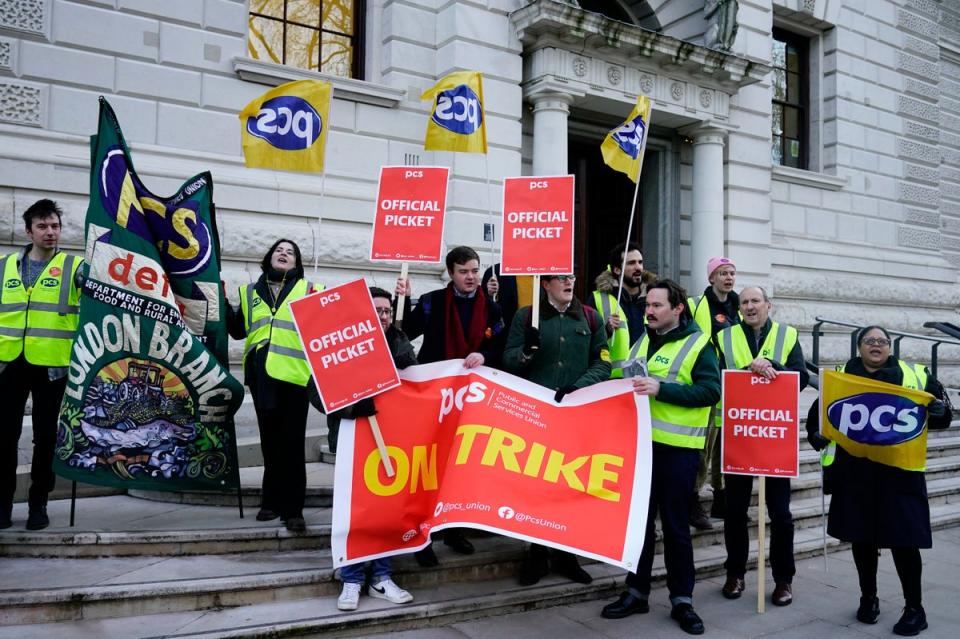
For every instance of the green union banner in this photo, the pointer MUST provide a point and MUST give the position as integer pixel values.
(150, 400)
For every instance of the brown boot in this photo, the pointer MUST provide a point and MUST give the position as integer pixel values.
(698, 516)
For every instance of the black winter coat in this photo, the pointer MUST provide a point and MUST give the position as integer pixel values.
(873, 503)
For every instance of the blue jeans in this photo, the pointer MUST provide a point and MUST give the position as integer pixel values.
(354, 573)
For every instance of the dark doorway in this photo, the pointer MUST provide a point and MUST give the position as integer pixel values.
(602, 205)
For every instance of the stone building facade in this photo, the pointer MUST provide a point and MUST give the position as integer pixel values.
(861, 224)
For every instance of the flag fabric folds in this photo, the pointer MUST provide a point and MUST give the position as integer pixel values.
(624, 146)
(885, 423)
(457, 120)
(286, 127)
(149, 399)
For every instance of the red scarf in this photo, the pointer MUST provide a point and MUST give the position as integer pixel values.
(457, 345)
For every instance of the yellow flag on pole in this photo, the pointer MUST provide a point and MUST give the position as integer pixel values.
(883, 422)
(286, 127)
(624, 146)
(457, 121)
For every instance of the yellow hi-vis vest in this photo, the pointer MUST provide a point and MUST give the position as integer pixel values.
(286, 360)
(619, 342)
(914, 378)
(674, 425)
(776, 347)
(41, 322)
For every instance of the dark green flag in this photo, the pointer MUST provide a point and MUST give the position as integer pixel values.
(149, 401)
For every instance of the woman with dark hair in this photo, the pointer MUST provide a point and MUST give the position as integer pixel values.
(277, 373)
(874, 505)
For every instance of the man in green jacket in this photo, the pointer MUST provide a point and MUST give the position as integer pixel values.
(567, 352)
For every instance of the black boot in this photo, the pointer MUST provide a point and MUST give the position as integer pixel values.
(869, 610)
(426, 558)
(454, 539)
(911, 622)
(566, 564)
(37, 519)
(698, 516)
(534, 567)
(6, 516)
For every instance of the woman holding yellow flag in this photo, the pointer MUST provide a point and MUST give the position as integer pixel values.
(877, 505)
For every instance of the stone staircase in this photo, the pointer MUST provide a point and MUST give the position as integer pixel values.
(185, 564)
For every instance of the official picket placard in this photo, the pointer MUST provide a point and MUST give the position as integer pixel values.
(411, 202)
(537, 236)
(761, 424)
(345, 345)
(484, 449)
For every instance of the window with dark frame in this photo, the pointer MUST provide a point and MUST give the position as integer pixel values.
(790, 108)
(317, 35)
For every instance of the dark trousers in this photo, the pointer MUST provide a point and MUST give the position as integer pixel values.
(671, 483)
(283, 427)
(907, 562)
(739, 489)
(18, 380)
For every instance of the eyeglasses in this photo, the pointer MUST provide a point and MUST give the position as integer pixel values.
(566, 278)
(385, 312)
(876, 341)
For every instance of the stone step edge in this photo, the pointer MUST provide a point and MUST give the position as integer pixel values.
(805, 508)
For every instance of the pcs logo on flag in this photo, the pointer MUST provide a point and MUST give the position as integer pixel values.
(629, 136)
(877, 418)
(458, 110)
(286, 122)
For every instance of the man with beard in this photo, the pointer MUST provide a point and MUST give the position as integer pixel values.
(621, 310)
(718, 308)
(457, 322)
(567, 352)
(682, 383)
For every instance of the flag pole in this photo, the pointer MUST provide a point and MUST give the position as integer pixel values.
(316, 242)
(402, 298)
(493, 248)
(633, 207)
(535, 307)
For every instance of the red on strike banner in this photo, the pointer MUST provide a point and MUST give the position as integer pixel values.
(411, 201)
(761, 424)
(537, 225)
(484, 449)
(345, 344)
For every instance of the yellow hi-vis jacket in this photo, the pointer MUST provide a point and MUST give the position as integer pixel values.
(274, 328)
(776, 347)
(41, 322)
(674, 425)
(914, 378)
(619, 342)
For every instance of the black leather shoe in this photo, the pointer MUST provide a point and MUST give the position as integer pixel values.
(455, 540)
(566, 564)
(911, 622)
(690, 622)
(869, 610)
(782, 594)
(532, 570)
(265, 514)
(38, 519)
(733, 588)
(6, 517)
(296, 524)
(426, 558)
(625, 606)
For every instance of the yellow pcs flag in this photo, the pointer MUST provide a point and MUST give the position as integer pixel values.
(624, 146)
(286, 127)
(457, 121)
(883, 422)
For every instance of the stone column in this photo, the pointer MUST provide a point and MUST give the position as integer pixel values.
(708, 210)
(550, 113)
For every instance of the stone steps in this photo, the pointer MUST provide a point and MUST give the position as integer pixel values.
(242, 601)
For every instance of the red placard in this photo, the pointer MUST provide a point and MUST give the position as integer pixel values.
(761, 424)
(345, 344)
(408, 226)
(537, 225)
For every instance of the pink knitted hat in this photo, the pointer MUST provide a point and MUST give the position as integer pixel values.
(716, 262)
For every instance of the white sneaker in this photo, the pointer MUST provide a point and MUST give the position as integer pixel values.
(349, 597)
(390, 591)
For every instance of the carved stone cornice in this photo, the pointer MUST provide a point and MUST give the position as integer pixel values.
(588, 54)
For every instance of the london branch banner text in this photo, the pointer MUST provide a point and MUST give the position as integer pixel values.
(149, 401)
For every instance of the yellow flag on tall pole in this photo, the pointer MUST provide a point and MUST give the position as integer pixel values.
(624, 146)
(286, 127)
(457, 121)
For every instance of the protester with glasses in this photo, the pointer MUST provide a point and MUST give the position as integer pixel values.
(567, 352)
(874, 505)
